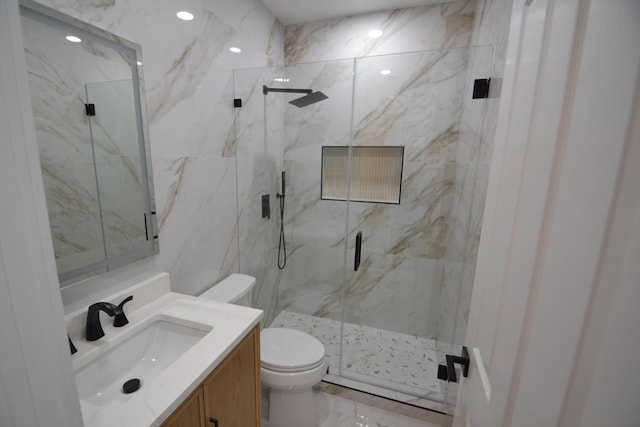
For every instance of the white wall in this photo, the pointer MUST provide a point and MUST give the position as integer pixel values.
(555, 290)
(36, 379)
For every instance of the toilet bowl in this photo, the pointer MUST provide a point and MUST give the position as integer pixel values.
(291, 361)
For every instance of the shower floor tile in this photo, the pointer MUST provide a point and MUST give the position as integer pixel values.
(403, 363)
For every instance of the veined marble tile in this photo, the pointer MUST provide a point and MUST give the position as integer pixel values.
(405, 30)
(335, 411)
(393, 293)
(444, 304)
(491, 24)
(196, 258)
(306, 128)
(418, 104)
(314, 280)
(370, 415)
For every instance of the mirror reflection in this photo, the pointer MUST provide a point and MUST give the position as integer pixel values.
(92, 137)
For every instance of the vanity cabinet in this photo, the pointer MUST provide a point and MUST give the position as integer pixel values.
(230, 396)
(190, 413)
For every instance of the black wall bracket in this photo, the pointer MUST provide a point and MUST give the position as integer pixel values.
(448, 372)
(90, 109)
(237, 102)
(481, 88)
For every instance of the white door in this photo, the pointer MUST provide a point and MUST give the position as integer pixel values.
(557, 266)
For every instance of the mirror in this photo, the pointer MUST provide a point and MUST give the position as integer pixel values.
(90, 118)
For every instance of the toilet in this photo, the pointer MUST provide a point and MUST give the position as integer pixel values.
(291, 361)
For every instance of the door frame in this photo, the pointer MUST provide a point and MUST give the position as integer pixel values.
(37, 386)
(558, 177)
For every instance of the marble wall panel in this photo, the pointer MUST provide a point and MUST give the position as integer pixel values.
(189, 92)
(393, 293)
(206, 250)
(418, 104)
(405, 30)
(306, 128)
(315, 274)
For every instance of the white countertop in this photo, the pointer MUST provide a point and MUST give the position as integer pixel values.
(153, 403)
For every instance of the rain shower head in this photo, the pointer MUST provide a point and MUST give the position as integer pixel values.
(310, 97)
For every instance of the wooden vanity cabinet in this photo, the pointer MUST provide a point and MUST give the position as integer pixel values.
(230, 396)
(190, 413)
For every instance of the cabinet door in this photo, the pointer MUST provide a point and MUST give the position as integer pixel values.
(232, 391)
(190, 413)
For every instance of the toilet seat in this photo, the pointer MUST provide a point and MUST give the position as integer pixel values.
(288, 350)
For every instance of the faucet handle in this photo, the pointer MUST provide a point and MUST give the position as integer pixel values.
(121, 319)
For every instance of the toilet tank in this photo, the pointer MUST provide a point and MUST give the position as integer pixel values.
(234, 289)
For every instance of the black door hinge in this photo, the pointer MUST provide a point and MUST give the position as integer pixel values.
(90, 109)
(448, 372)
(481, 88)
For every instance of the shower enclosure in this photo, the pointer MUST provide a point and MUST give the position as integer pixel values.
(394, 155)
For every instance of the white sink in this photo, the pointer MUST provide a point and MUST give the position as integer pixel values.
(143, 353)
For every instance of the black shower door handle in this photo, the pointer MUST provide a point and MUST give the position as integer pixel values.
(356, 261)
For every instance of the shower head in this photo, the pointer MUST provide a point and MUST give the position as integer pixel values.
(312, 98)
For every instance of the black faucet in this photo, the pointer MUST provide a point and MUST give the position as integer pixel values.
(94, 328)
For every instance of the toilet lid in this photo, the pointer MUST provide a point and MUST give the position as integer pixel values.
(230, 289)
(283, 349)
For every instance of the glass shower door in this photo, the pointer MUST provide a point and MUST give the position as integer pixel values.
(311, 298)
(397, 304)
(273, 136)
(394, 159)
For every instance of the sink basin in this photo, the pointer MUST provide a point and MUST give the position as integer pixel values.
(142, 355)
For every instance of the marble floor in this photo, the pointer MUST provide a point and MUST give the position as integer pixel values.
(335, 411)
(341, 407)
(388, 360)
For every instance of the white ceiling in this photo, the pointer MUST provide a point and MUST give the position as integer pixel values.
(299, 11)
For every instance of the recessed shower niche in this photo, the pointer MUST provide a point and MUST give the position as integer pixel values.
(362, 174)
(90, 117)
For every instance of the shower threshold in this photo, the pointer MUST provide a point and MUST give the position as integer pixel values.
(383, 363)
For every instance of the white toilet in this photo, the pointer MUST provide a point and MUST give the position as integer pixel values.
(291, 361)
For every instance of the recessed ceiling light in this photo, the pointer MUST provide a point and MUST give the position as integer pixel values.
(385, 72)
(139, 63)
(374, 34)
(235, 49)
(73, 39)
(184, 15)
